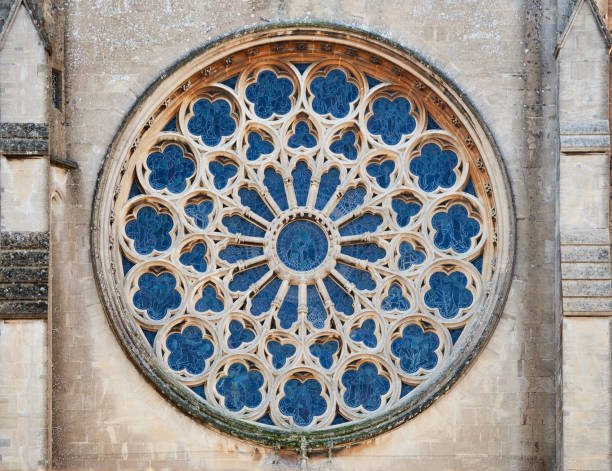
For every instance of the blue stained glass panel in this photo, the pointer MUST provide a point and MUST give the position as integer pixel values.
(231, 82)
(327, 187)
(275, 185)
(241, 387)
(188, 350)
(150, 231)
(333, 94)
(302, 401)
(345, 145)
(434, 167)
(404, 211)
(381, 172)
(135, 190)
(302, 136)
(351, 200)
(431, 124)
(243, 280)
(222, 173)
(171, 126)
(126, 264)
(301, 182)
(199, 390)
(469, 188)
(262, 301)
(362, 224)
(395, 300)
(170, 169)
(157, 294)
(195, 258)
(369, 252)
(454, 229)
(365, 333)
(252, 199)
(150, 336)
(317, 315)
(361, 279)
(266, 419)
(477, 262)
(341, 299)
(211, 121)
(210, 300)
(409, 256)
(301, 66)
(238, 225)
(239, 334)
(416, 349)
(233, 253)
(325, 352)
(200, 212)
(270, 94)
(365, 387)
(448, 293)
(339, 419)
(280, 353)
(406, 388)
(391, 119)
(455, 334)
(288, 312)
(257, 146)
(372, 82)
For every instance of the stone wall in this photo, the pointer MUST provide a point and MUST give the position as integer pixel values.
(500, 415)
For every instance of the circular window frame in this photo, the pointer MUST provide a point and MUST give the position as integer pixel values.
(379, 51)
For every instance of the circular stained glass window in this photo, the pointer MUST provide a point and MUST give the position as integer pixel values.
(302, 235)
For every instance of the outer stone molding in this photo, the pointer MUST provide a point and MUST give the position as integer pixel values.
(445, 103)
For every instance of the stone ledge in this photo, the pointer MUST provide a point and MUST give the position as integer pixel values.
(24, 130)
(585, 253)
(583, 270)
(24, 291)
(584, 236)
(24, 258)
(23, 275)
(23, 309)
(24, 138)
(586, 288)
(587, 304)
(24, 240)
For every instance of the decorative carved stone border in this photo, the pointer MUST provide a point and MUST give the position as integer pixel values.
(454, 113)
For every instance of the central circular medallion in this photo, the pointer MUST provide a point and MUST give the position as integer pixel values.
(302, 245)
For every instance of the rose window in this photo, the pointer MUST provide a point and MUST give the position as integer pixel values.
(302, 237)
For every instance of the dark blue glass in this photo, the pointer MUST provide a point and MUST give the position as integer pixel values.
(352, 199)
(239, 334)
(406, 388)
(416, 349)
(222, 173)
(157, 295)
(171, 126)
(126, 263)
(211, 121)
(434, 167)
(345, 146)
(199, 390)
(302, 245)
(150, 336)
(238, 225)
(188, 350)
(301, 182)
(135, 190)
(270, 94)
(233, 253)
(361, 279)
(391, 119)
(317, 314)
(409, 256)
(381, 172)
(395, 300)
(301, 67)
(362, 224)
(262, 301)
(257, 146)
(469, 188)
(369, 252)
(275, 185)
(455, 334)
(170, 169)
(196, 257)
(210, 300)
(288, 312)
(431, 124)
(327, 187)
(266, 419)
(302, 136)
(199, 212)
(325, 352)
(364, 386)
(477, 262)
(252, 199)
(280, 353)
(448, 293)
(150, 231)
(231, 82)
(454, 229)
(302, 401)
(333, 94)
(240, 387)
(339, 419)
(404, 211)
(372, 82)
(365, 333)
(341, 299)
(243, 280)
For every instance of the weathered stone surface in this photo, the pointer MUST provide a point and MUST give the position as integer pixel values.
(24, 258)
(23, 275)
(586, 271)
(585, 253)
(24, 240)
(23, 309)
